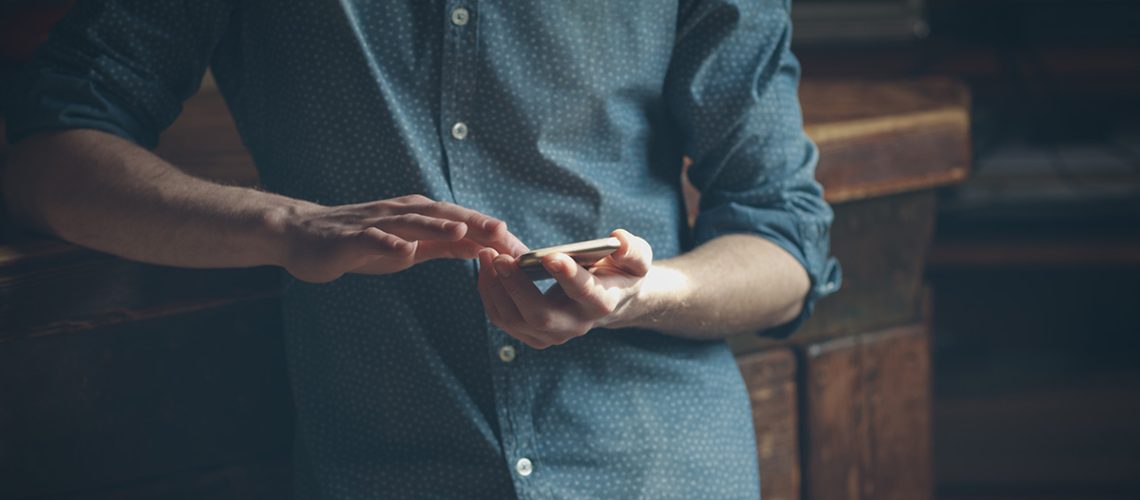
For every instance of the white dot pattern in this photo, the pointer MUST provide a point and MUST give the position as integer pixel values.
(574, 117)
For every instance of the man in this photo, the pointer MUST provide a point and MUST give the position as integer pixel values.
(395, 142)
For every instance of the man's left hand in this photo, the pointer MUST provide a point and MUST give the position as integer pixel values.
(582, 299)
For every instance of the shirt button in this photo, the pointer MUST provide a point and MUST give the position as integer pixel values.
(460, 16)
(524, 467)
(507, 353)
(459, 130)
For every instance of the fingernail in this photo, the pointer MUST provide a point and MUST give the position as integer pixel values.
(487, 258)
(503, 269)
(558, 264)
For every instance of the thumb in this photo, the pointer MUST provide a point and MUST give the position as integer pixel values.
(635, 255)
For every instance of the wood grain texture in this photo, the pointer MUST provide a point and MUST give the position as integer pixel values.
(832, 100)
(145, 399)
(884, 137)
(861, 164)
(64, 289)
(867, 417)
(771, 379)
(269, 479)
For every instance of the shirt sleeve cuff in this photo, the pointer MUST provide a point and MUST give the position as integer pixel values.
(47, 100)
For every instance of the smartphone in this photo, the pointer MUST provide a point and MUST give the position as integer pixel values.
(585, 253)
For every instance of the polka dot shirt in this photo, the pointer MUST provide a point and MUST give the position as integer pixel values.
(565, 119)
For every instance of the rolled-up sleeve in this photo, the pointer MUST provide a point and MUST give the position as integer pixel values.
(732, 91)
(121, 66)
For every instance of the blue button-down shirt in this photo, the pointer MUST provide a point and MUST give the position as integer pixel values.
(565, 119)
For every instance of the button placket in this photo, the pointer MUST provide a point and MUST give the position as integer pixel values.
(514, 393)
(459, 53)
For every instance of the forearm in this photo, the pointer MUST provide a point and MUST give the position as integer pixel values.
(100, 191)
(732, 284)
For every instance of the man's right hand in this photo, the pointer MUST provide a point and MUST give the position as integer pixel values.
(387, 236)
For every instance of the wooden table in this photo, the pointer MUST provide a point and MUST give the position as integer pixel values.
(124, 380)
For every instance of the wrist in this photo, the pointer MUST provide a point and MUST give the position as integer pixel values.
(651, 301)
(279, 222)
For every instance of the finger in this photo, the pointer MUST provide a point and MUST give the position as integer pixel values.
(486, 276)
(462, 249)
(635, 255)
(500, 305)
(373, 242)
(578, 283)
(414, 227)
(496, 234)
(526, 297)
(508, 312)
(481, 228)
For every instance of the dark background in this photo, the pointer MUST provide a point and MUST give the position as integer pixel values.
(1036, 259)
